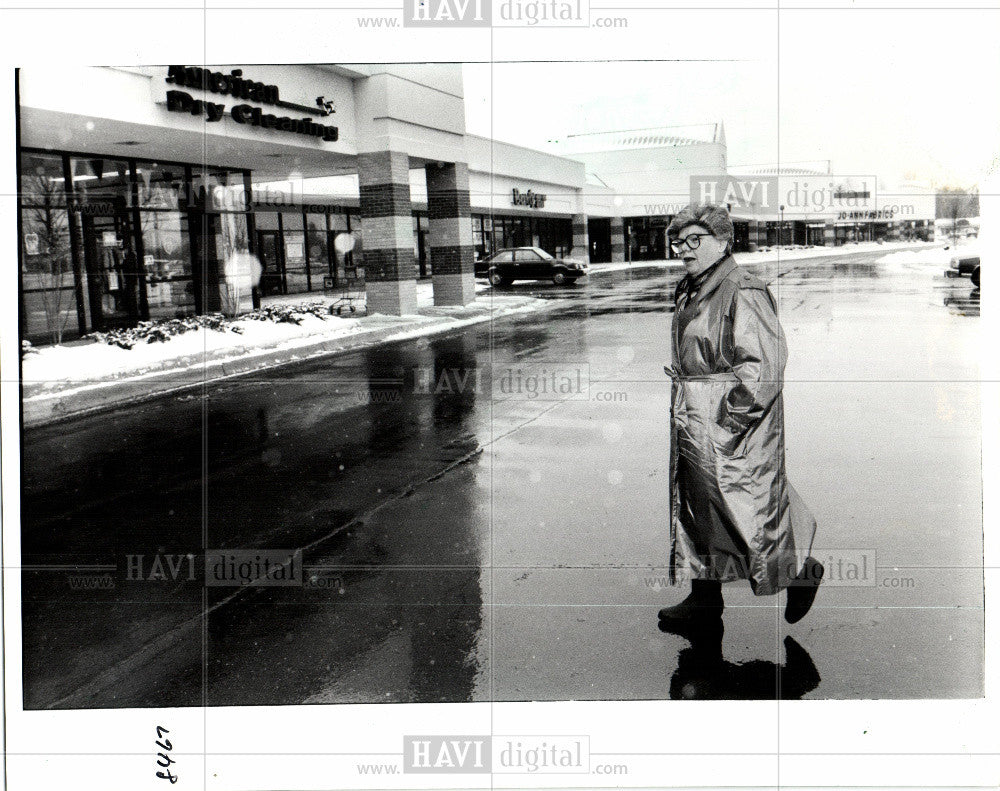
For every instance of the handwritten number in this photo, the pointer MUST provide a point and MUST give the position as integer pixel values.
(166, 745)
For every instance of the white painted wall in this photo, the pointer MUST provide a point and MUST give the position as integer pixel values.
(654, 180)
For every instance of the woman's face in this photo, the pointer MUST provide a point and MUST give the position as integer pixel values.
(709, 249)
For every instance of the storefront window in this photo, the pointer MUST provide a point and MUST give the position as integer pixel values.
(317, 247)
(166, 246)
(338, 227)
(266, 220)
(167, 264)
(552, 234)
(219, 190)
(137, 228)
(490, 243)
(646, 238)
(230, 235)
(224, 274)
(296, 277)
(42, 182)
(477, 236)
(160, 186)
(355, 258)
(101, 182)
(47, 275)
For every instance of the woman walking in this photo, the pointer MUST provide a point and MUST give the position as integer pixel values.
(734, 515)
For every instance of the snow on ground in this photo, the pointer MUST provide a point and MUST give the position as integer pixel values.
(82, 362)
(425, 296)
(932, 261)
(795, 252)
(770, 255)
(89, 361)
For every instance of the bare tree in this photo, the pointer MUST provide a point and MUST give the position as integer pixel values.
(955, 204)
(48, 220)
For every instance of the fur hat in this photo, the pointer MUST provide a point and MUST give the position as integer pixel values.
(713, 217)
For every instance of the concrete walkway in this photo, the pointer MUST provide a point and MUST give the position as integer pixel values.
(50, 397)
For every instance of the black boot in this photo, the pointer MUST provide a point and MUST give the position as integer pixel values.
(703, 604)
(802, 591)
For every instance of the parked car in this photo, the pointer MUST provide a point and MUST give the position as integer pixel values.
(964, 264)
(529, 263)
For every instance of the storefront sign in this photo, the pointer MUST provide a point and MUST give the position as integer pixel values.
(181, 102)
(235, 85)
(535, 200)
(231, 84)
(245, 114)
(880, 214)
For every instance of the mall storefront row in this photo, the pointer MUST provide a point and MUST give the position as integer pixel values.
(107, 243)
(646, 237)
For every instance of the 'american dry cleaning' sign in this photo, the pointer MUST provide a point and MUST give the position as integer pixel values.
(235, 85)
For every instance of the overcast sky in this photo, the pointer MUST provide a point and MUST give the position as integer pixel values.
(894, 100)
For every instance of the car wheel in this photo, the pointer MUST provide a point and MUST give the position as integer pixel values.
(496, 279)
(975, 277)
(559, 278)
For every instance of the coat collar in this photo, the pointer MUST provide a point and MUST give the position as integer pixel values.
(717, 273)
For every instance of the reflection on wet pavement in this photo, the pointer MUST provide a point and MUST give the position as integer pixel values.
(463, 542)
(964, 305)
(703, 674)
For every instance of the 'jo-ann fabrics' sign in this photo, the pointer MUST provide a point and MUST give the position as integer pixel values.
(234, 84)
(880, 214)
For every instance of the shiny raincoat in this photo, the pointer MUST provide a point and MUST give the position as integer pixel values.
(733, 513)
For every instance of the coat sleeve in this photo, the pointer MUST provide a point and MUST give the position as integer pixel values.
(759, 354)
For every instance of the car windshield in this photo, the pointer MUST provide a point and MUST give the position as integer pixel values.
(542, 253)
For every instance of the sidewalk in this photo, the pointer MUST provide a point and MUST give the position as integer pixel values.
(60, 382)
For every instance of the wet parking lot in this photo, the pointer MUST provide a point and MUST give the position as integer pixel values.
(482, 515)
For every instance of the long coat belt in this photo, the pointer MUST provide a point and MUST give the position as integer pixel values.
(722, 376)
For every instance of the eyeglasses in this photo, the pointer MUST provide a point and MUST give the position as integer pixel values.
(691, 241)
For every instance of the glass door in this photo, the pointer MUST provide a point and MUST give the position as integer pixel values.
(269, 251)
(112, 268)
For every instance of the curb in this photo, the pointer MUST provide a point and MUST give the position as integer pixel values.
(79, 399)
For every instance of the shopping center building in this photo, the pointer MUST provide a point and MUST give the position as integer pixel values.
(153, 192)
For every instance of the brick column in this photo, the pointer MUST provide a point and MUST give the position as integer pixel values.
(581, 239)
(617, 239)
(450, 233)
(387, 232)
